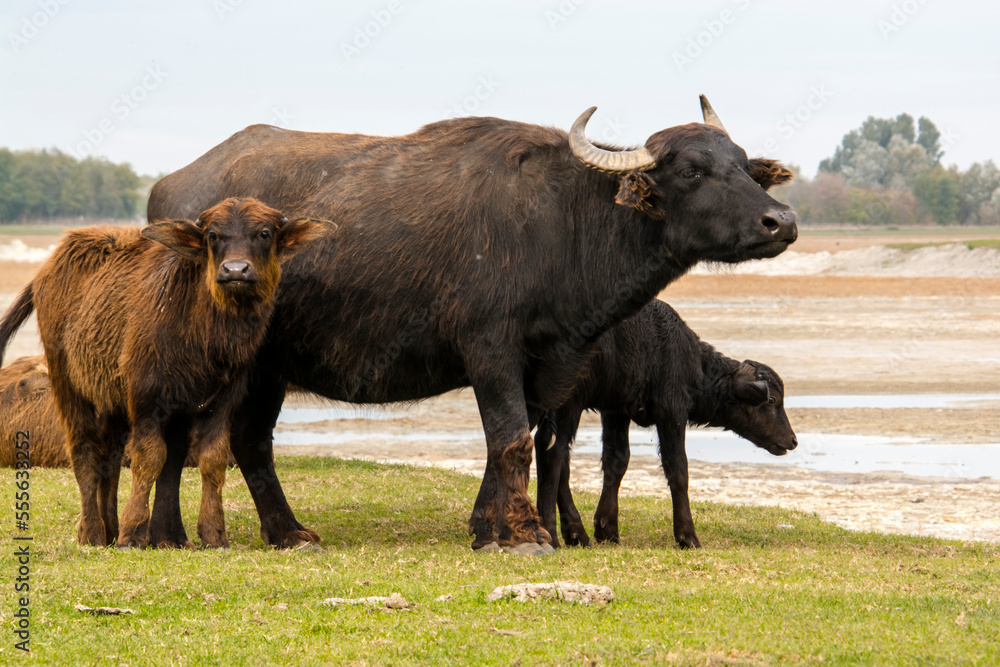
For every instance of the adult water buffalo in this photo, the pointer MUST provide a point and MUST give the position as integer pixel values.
(475, 251)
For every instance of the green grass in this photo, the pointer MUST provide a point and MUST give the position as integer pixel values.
(772, 587)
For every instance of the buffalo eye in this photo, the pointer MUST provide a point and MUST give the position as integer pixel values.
(771, 400)
(691, 172)
(212, 236)
(266, 234)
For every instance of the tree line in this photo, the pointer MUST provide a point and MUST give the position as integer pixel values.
(51, 184)
(889, 172)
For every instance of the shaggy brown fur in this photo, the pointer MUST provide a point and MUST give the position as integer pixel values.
(143, 327)
(26, 405)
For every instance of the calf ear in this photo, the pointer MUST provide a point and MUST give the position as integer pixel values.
(753, 392)
(769, 173)
(638, 190)
(297, 233)
(181, 236)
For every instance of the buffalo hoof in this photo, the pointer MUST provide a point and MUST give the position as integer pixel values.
(292, 538)
(490, 547)
(529, 549)
(307, 547)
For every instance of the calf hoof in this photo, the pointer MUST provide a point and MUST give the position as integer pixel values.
(93, 536)
(689, 542)
(606, 534)
(172, 544)
(576, 539)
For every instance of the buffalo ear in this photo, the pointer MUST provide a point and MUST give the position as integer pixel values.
(297, 233)
(638, 191)
(753, 392)
(181, 236)
(768, 173)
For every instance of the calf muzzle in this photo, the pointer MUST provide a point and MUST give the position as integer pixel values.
(236, 270)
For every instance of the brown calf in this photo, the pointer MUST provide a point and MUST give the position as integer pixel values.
(144, 326)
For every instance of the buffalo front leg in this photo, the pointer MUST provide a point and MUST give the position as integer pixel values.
(211, 440)
(251, 441)
(503, 511)
(166, 528)
(148, 451)
(614, 462)
(673, 457)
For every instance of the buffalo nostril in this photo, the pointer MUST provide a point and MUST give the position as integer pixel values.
(781, 225)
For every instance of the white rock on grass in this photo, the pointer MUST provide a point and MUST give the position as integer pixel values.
(394, 601)
(567, 591)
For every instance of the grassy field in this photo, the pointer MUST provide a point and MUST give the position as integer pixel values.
(772, 587)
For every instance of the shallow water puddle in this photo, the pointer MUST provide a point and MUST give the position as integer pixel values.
(825, 452)
(821, 452)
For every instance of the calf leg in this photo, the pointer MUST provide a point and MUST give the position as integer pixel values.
(614, 462)
(166, 528)
(85, 441)
(547, 469)
(673, 457)
(555, 491)
(148, 451)
(252, 444)
(570, 520)
(212, 444)
(117, 433)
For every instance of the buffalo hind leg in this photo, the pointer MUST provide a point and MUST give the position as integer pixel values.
(116, 432)
(253, 448)
(673, 457)
(166, 527)
(615, 456)
(87, 446)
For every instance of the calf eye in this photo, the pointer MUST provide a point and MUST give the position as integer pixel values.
(266, 234)
(212, 236)
(691, 172)
(771, 400)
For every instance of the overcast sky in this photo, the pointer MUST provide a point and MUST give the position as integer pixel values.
(158, 84)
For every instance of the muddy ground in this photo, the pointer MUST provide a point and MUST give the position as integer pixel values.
(824, 334)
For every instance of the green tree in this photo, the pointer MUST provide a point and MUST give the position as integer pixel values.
(885, 152)
(936, 192)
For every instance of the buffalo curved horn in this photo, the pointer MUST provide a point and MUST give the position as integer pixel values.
(614, 162)
(711, 118)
